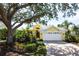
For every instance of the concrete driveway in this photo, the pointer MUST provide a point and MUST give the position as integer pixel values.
(60, 48)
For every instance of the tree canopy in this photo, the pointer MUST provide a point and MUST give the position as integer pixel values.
(32, 12)
(65, 24)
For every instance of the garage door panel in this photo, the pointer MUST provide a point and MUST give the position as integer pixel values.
(52, 36)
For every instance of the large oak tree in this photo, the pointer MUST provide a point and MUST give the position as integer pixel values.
(31, 12)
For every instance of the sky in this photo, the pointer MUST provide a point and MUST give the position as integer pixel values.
(73, 19)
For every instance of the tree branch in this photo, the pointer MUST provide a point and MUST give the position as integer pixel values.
(29, 20)
(9, 11)
(11, 6)
(18, 7)
(14, 23)
(3, 16)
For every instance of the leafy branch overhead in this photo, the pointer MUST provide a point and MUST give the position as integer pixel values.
(29, 12)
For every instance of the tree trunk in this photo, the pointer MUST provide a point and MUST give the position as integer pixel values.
(10, 37)
(10, 41)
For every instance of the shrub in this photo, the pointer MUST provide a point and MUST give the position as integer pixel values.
(77, 39)
(31, 47)
(20, 33)
(25, 36)
(3, 34)
(41, 51)
(70, 38)
(22, 36)
(40, 43)
(40, 40)
(37, 49)
(19, 47)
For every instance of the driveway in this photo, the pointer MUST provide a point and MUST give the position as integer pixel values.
(60, 48)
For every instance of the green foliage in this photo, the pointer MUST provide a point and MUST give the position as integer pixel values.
(49, 10)
(41, 51)
(31, 47)
(27, 35)
(36, 49)
(3, 34)
(65, 24)
(70, 38)
(77, 39)
(75, 29)
(40, 42)
(19, 47)
(20, 33)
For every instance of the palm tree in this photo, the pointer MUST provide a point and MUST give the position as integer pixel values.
(65, 24)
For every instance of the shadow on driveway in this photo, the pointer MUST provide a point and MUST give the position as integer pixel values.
(60, 48)
(55, 41)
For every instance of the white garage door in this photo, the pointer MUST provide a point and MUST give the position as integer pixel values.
(52, 36)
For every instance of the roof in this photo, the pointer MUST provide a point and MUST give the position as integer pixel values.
(51, 29)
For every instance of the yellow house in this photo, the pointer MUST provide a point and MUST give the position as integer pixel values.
(52, 32)
(52, 29)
